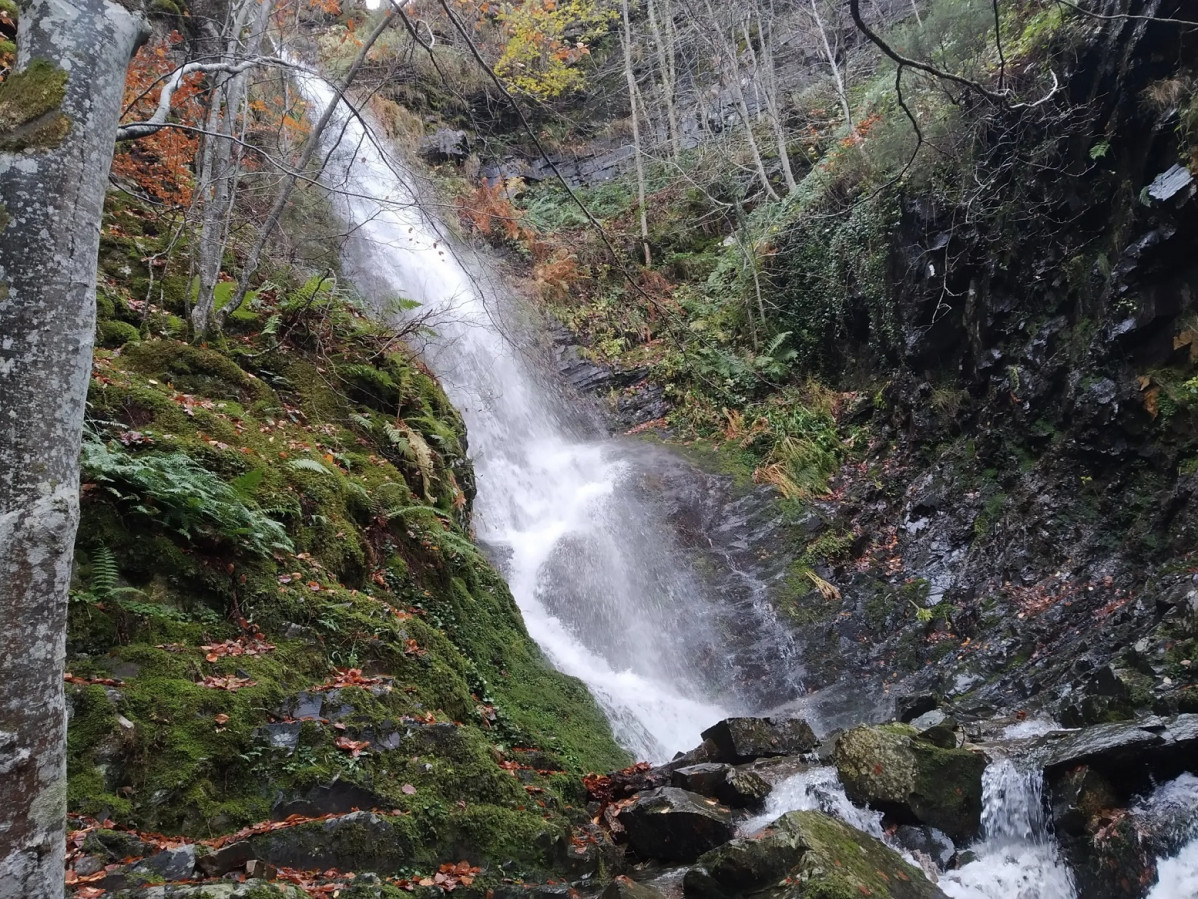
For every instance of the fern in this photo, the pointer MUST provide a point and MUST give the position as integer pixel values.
(176, 493)
(105, 572)
(245, 485)
(309, 465)
(424, 459)
(362, 421)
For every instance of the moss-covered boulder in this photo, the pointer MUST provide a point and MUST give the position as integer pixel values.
(674, 825)
(913, 780)
(811, 855)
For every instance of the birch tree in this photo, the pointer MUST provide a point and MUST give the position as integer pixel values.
(58, 117)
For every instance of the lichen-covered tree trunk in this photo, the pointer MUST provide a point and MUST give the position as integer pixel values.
(58, 118)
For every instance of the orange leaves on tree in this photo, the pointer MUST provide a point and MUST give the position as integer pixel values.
(160, 165)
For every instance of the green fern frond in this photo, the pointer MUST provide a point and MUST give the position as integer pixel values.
(105, 572)
(309, 465)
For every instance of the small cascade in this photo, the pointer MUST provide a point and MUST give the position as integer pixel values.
(1172, 810)
(606, 586)
(816, 789)
(1017, 857)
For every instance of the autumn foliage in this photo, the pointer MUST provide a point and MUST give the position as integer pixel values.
(160, 166)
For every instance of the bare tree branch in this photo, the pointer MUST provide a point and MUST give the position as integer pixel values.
(156, 122)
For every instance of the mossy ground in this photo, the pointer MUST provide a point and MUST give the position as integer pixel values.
(312, 419)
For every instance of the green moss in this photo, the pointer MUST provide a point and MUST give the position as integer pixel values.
(29, 101)
(381, 579)
(113, 334)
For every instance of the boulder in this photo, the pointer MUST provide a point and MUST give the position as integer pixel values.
(674, 825)
(912, 780)
(171, 864)
(1131, 754)
(445, 145)
(359, 841)
(737, 740)
(806, 853)
(732, 786)
(335, 798)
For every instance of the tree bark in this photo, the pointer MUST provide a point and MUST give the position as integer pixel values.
(54, 161)
(637, 148)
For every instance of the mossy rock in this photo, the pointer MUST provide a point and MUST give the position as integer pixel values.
(911, 779)
(806, 854)
(114, 334)
(195, 370)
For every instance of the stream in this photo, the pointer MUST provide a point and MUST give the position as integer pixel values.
(667, 625)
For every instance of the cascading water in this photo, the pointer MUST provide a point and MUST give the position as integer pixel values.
(603, 584)
(1172, 810)
(817, 789)
(1017, 857)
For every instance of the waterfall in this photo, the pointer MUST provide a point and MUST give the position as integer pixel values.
(1017, 857)
(603, 584)
(1172, 811)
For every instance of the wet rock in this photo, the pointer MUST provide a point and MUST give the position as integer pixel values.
(445, 145)
(625, 888)
(88, 865)
(673, 825)
(737, 740)
(929, 841)
(590, 852)
(1129, 754)
(816, 855)
(532, 891)
(1078, 797)
(362, 840)
(908, 708)
(251, 889)
(114, 845)
(945, 733)
(335, 798)
(914, 781)
(281, 736)
(171, 864)
(732, 786)
(230, 857)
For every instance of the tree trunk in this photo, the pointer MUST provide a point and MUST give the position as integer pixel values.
(56, 139)
(841, 91)
(637, 149)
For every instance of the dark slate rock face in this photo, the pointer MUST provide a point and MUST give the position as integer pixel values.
(674, 825)
(731, 786)
(806, 854)
(738, 740)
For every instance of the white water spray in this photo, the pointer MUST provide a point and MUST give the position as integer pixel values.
(817, 789)
(1172, 808)
(1017, 857)
(594, 569)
